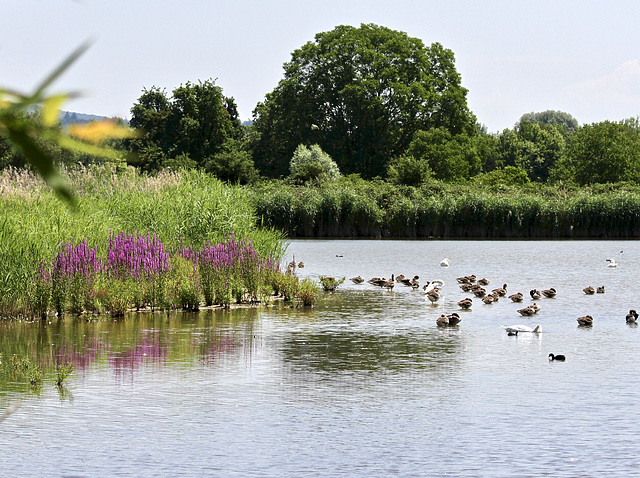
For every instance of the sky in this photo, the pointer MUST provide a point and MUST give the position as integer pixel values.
(515, 57)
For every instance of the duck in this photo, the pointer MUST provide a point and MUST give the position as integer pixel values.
(515, 329)
(414, 283)
(454, 319)
(410, 282)
(489, 299)
(444, 262)
(483, 281)
(357, 280)
(612, 263)
(557, 358)
(465, 303)
(467, 287)
(479, 292)
(517, 297)
(587, 320)
(549, 293)
(433, 294)
(442, 321)
(535, 307)
(389, 283)
(600, 290)
(632, 317)
(527, 311)
(589, 290)
(466, 279)
(379, 281)
(501, 291)
(535, 294)
(399, 277)
(300, 265)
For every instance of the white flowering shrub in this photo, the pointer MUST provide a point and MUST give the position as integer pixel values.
(311, 162)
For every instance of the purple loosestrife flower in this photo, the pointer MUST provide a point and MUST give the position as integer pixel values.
(138, 257)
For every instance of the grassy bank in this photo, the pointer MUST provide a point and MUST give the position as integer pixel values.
(355, 208)
(179, 209)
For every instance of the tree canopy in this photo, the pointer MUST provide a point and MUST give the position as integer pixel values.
(551, 117)
(360, 94)
(194, 123)
(605, 152)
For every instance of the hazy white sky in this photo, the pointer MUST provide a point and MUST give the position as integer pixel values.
(515, 57)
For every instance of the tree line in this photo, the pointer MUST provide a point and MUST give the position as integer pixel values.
(367, 101)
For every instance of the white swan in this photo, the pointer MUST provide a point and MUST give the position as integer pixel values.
(514, 329)
(612, 263)
(444, 262)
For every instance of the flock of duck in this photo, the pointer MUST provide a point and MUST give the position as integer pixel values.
(478, 288)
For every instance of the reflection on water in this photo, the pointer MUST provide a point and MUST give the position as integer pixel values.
(363, 383)
(142, 340)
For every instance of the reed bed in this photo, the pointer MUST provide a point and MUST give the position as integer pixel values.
(378, 209)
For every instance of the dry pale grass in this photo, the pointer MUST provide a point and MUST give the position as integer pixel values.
(101, 180)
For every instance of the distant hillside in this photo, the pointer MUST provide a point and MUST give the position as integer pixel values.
(68, 118)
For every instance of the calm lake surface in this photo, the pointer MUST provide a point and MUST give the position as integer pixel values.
(363, 384)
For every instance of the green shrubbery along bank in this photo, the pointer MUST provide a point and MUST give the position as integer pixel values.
(357, 208)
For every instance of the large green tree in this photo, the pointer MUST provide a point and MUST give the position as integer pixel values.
(361, 94)
(603, 152)
(532, 147)
(195, 122)
(449, 157)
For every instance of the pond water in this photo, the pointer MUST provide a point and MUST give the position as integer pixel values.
(364, 383)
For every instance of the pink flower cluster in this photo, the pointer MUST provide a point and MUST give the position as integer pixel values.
(74, 262)
(130, 255)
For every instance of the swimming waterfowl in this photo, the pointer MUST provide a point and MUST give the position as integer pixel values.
(466, 279)
(558, 358)
(454, 319)
(517, 297)
(389, 283)
(600, 290)
(535, 307)
(589, 290)
(438, 283)
(399, 277)
(612, 263)
(527, 311)
(465, 303)
(410, 282)
(501, 291)
(357, 280)
(433, 294)
(521, 328)
(549, 293)
(489, 299)
(444, 262)
(300, 265)
(479, 292)
(442, 321)
(379, 281)
(587, 320)
(632, 317)
(414, 283)
(467, 287)
(483, 281)
(535, 294)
